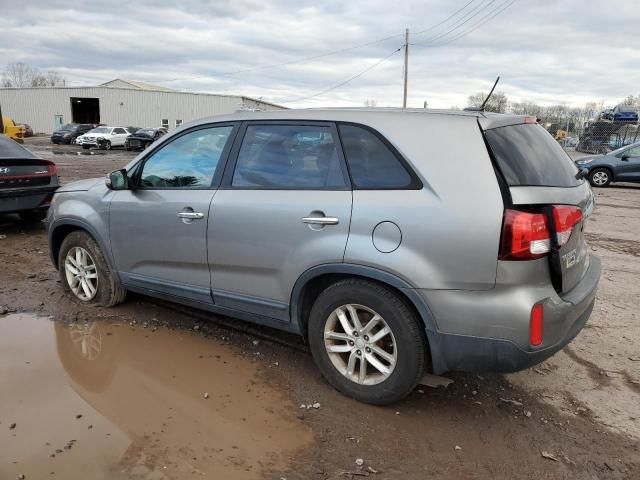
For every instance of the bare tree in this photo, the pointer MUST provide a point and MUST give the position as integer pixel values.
(497, 103)
(19, 74)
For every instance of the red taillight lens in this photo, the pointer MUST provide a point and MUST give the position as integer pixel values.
(536, 325)
(530, 120)
(525, 236)
(52, 168)
(565, 217)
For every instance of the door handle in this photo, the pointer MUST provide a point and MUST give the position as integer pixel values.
(191, 215)
(320, 220)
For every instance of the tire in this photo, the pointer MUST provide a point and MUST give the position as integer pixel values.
(33, 216)
(107, 145)
(108, 291)
(407, 334)
(600, 177)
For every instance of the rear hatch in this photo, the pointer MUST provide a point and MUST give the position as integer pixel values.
(543, 193)
(25, 172)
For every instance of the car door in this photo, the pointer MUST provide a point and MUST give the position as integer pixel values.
(628, 169)
(284, 207)
(118, 136)
(158, 229)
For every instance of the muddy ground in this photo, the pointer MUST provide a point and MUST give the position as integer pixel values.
(148, 390)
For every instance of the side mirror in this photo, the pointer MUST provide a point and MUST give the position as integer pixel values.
(624, 158)
(117, 180)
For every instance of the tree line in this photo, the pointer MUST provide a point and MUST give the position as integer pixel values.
(559, 115)
(19, 74)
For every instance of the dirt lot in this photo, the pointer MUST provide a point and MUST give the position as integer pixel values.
(153, 391)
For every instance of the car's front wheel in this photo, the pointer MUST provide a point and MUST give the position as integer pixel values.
(367, 342)
(84, 272)
(600, 177)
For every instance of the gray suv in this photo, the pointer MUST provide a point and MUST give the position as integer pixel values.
(397, 242)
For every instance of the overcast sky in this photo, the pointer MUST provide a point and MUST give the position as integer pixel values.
(548, 51)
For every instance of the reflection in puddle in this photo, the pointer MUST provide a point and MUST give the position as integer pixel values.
(102, 401)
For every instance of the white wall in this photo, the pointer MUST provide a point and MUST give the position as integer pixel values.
(118, 106)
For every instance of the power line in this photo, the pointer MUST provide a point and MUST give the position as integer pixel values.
(497, 11)
(445, 20)
(478, 9)
(344, 82)
(322, 55)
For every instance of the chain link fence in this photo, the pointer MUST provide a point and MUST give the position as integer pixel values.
(594, 132)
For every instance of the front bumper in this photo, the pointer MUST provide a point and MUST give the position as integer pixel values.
(565, 317)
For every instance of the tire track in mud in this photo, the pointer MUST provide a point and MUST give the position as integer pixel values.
(615, 245)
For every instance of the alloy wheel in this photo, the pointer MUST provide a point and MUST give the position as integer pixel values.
(600, 178)
(360, 344)
(81, 273)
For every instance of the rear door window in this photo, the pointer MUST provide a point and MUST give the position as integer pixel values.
(371, 163)
(527, 155)
(290, 157)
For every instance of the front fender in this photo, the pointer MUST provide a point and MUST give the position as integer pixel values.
(82, 211)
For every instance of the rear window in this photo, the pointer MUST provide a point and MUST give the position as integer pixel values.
(528, 155)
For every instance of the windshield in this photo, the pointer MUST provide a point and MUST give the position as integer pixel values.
(68, 127)
(100, 130)
(145, 131)
(622, 149)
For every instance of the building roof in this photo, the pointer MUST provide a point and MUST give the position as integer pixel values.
(135, 84)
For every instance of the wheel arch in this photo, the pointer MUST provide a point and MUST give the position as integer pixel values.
(62, 228)
(312, 282)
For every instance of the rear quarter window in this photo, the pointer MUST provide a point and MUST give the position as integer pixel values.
(527, 155)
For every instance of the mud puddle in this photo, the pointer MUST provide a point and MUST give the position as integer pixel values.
(101, 400)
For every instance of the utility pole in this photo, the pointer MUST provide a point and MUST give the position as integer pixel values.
(406, 66)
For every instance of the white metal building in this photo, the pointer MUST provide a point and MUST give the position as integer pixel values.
(118, 102)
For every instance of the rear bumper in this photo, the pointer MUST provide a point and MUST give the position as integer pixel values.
(20, 200)
(565, 317)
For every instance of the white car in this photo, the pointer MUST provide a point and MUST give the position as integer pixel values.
(113, 136)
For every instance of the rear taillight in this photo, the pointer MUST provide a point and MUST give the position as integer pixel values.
(536, 325)
(52, 168)
(525, 235)
(565, 217)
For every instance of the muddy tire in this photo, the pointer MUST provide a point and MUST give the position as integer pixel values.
(600, 177)
(85, 274)
(385, 335)
(32, 216)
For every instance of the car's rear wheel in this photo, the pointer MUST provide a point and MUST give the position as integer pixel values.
(366, 341)
(32, 216)
(600, 177)
(84, 272)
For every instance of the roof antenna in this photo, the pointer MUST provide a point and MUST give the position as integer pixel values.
(481, 107)
(490, 93)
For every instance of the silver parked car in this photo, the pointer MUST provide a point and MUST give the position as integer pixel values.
(395, 241)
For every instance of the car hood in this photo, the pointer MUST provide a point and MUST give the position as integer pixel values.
(96, 135)
(80, 185)
(588, 157)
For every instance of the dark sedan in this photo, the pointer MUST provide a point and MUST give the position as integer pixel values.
(143, 137)
(27, 182)
(621, 165)
(68, 133)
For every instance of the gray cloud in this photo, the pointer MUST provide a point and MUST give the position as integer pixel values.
(546, 51)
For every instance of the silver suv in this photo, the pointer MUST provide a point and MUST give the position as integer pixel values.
(395, 241)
